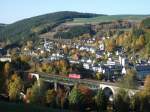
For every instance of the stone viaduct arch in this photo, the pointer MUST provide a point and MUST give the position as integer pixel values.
(109, 90)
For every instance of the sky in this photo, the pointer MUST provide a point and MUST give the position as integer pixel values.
(14, 10)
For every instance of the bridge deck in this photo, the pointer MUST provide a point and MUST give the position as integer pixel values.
(71, 81)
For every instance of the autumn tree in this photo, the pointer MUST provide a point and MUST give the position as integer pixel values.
(21, 63)
(64, 65)
(121, 102)
(148, 49)
(2, 77)
(99, 76)
(135, 103)
(50, 97)
(76, 99)
(2, 82)
(140, 102)
(45, 67)
(140, 42)
(7, 68)
(144, 103)
(35, 93)
(15, 86)
(61, 98)
(88, 93)
(25, 58)
(110, 44)
(129, 80)
(146, 89)
(66, 50)
(127, 41)
(120, 40)
(29, 45)
(101, 101)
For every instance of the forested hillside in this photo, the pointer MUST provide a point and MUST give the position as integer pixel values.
(30, 28)
(2, 26)
(75, 31)
(134, 41)
(146, 23)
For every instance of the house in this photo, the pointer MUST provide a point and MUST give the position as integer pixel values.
(103, 38)
(88, 49)
(2, 51)
(123, 71)
(86, 65)
(117, 53)
(92, 50)
(5, 59)
(99, 54)
(110, 62)
(34, 53)
(52, 58)
(73, 61)
(101, 46)
(81, 48)
(148, 62)
(48, 45)
(142, 70)
(89, 61)
(42, 51)
(77, 46)
(97, 68)
(83, 59)
(90, 41)
(123, 61)
(100, 70)
(109, 54)
(112, 71)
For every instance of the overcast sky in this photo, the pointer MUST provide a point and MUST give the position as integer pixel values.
(14, 10)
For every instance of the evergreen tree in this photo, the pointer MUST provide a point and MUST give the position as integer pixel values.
(129, 81)
(101, 101)
(50, 97)
(76, 99)
(121, 102)
(35, 94)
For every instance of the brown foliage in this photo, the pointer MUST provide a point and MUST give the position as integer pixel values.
(6, 69)
(25, 58)
(147, 85)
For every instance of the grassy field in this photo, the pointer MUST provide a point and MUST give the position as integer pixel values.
(101, 19)
(13, 107)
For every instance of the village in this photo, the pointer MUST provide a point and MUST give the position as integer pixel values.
(90, 53)
(70, 61)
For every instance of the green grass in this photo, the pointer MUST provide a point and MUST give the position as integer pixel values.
(13, 107)
(101, 19)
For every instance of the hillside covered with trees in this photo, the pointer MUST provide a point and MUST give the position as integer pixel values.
(75, 31)
(136, 40)
(2, 26)
(30, 28)
(146, 22)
